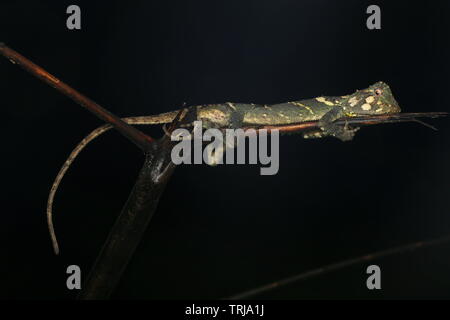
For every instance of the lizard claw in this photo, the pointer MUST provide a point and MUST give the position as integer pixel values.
(347, 133)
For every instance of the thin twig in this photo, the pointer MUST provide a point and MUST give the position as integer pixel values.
(133, 134)
(336, 266)
(357, 121)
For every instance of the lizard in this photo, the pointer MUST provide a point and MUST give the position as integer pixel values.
(374, 100)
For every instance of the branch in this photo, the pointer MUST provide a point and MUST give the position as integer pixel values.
(142, 202)
(130, 226)
(336, 266)
(133, 134)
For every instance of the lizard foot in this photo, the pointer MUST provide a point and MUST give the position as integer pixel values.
(343, 133)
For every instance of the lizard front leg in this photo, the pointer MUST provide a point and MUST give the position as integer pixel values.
(329, 128)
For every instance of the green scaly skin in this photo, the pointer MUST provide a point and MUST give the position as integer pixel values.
(375, 100)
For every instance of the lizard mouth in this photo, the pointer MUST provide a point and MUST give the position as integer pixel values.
(396, 109)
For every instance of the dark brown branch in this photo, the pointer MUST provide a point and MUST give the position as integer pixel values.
(142, 202)
(130, 226)
(133, 134)
(336, 266)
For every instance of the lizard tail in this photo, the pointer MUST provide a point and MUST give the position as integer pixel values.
(162, 118)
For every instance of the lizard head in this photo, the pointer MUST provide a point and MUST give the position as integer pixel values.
(376, 99)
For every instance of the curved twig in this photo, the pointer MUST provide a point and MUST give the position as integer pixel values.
(336, 266)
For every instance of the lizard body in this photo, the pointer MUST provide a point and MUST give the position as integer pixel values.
(374, 100)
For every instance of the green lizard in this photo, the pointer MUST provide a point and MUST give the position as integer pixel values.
(376, 99)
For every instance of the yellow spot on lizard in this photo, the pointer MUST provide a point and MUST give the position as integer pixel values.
(370, 99)
(298, 104)
(353, 101)
(323, 100)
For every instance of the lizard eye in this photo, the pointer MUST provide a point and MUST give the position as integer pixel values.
(378, 92)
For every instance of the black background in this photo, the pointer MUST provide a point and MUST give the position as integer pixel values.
(221, 230)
